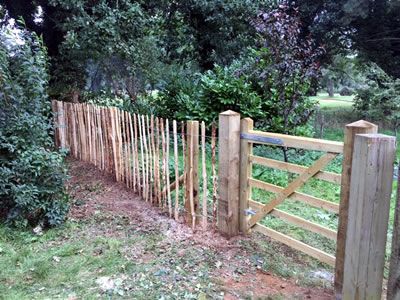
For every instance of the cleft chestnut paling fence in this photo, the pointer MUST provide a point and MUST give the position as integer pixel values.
(164, 167)
(159, 159)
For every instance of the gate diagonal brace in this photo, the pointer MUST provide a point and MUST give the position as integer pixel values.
(291, 188)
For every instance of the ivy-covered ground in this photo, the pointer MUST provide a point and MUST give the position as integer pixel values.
(115, 246)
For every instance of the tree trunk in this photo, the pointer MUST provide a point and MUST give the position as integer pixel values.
(75, 96)
(393, 288)
(330, 88)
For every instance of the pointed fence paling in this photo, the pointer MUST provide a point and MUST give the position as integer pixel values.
(150, 155)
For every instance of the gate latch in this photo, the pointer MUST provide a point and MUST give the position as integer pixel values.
(249, 212)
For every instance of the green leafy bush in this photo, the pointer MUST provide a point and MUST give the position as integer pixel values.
(32, 175)
(379, 99)
(204, 96)
(346, 91)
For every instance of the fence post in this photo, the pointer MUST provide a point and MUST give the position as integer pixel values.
(192, 176)
(229, 153)
(393, 288)
(246, 149)
(369, 203)
(350, 132)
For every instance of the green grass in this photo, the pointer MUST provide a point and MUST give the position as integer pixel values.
(67, 262)
(336, 97)
(143, 261)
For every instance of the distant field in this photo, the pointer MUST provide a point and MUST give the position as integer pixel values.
(335, 101)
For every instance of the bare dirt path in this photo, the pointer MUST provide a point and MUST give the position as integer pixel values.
(234, 270)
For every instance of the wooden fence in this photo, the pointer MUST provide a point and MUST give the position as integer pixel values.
(139, 150)
(159, 159)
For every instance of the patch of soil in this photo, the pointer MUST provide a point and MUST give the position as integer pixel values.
(263, 284)
(95, 192)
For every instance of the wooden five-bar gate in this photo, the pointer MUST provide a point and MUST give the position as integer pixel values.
(256, 211)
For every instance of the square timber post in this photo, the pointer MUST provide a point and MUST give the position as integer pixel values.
(368, 216)
(228, 171)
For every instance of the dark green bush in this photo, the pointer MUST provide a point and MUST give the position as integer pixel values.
(379, 99)
(346, 91)
(32, 174)
(204, 96)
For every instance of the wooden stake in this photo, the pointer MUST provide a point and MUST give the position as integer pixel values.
(153, 149)
(128, 151)
(132, 151)
(122, 159)
(184, 187)
(164, 168)
(143, 185)
(157, 168)
(204, 173)
(176, 154)
(191, 200)
(151, 181)
(146, 150)
(214, 174)
(138, 187)
(114, 143)
(167, 168)
(191, 165)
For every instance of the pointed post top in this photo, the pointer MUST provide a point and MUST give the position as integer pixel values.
(229, 113)
(362, 124)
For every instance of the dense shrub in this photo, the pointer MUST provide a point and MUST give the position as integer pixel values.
(32, 174)
(346, 91)
(218, 90)
(379, 99)
(173, 98)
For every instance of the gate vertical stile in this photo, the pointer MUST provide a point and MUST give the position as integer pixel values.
(246, 149)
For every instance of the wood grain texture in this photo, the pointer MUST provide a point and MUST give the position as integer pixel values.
(228, 173)
(204, 174)
(293, 168)
(246, 150)
(316, 228)
(192, 179)
(311, 200)
(393, 286)
(176, 160)
(350, 132)
(295, 244)
(369, 204)
(302, 142)
(295, 184)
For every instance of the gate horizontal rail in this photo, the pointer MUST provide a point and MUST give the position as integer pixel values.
(284, 140)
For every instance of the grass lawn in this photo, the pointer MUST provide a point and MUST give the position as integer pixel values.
(336, 101)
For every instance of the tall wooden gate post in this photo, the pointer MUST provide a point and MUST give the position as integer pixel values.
(192, 173)
(246, 149)
(393, 286)
(350, 132)
(228, 171)
(369, 203)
